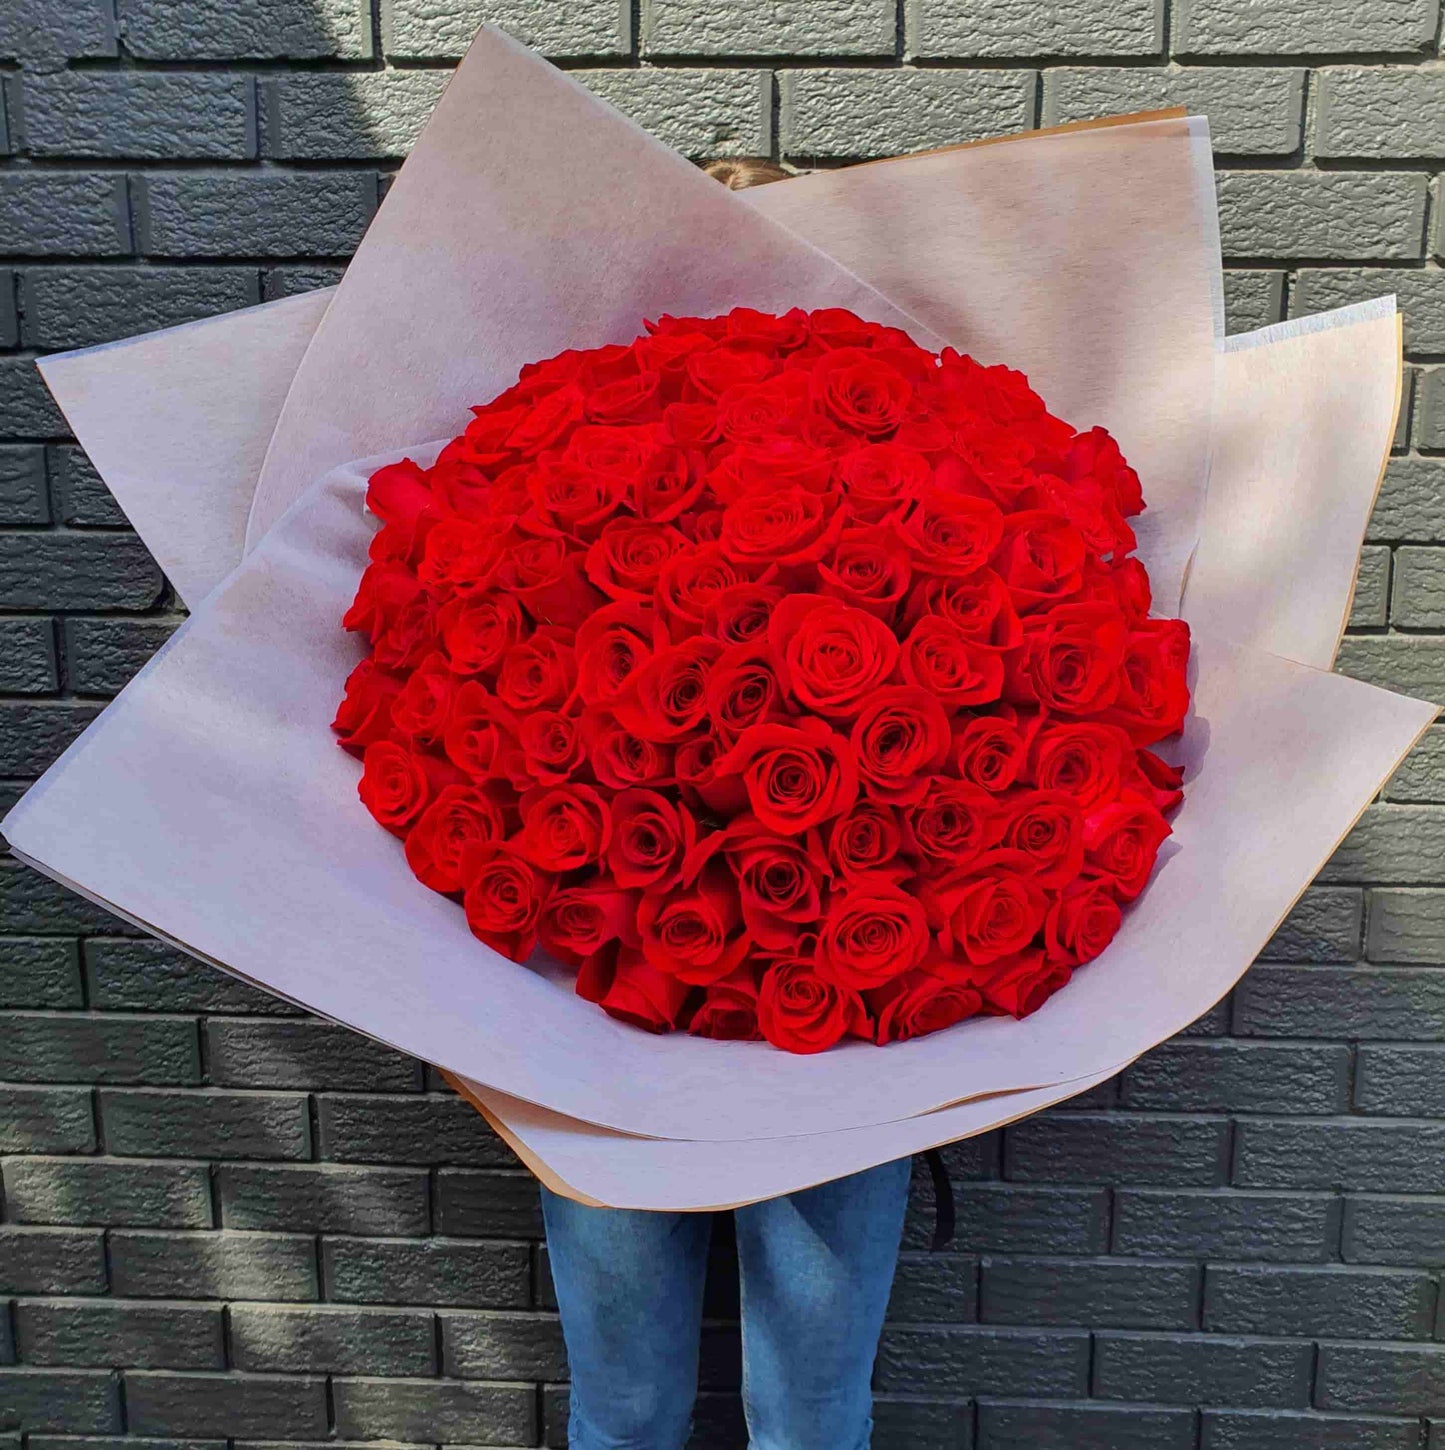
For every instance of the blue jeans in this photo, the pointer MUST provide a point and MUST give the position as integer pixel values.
(815, 1271)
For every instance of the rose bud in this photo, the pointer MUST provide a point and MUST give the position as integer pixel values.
(1121, 842)
(917, 1003)
(627, 986)
(801, 1012)
(364, 715)
(728, 1011)
(504, 897)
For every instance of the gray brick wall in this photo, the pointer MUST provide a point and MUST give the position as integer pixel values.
(223, 1221)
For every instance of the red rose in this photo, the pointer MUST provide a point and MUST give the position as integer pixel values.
(1081, 923)
(395, 785)
(830, 655)
(422, 707)
(460, 555)
(650, 837)
(713, 372)
(1096, 455)
(916, 1003)
(690, 582)
(740, 613)
(779, 883)
(629, 556)
(398, 492)
(1082, 759)
(979, 607)
(860, 392)
(899, 739)
(611, 645)
(689, 933)
(665, 699)
(742, 690)
(478, 630)
(547, 579)
(729, 1009)
(579, 921)
(989, 752)
(1071, 659)
(627, 986)
(1157, 780)
(551, 748)
(479, 731)
(865, 841)
(881, 479)
(952, 534)
(461, 816)
(504, 897)
(540, 672)
(801, 1012)
(671, 479)
(993, 913)
(1041, 558)
(1153, 693)
(1020, 984)
(796, 776)
(564, 827)
(868, 569)
(872, 933)
(1121, 842)
(778, 526)
(939, 658)
(1048, 828)
(695, 765)
(364, 715)
(952, 825)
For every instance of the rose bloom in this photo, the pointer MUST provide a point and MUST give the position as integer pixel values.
(800, 1011)
(872, 933)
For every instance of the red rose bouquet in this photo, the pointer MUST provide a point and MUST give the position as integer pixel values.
(787, 679)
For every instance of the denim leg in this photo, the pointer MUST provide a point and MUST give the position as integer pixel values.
(816, 1270)
(629, 1288)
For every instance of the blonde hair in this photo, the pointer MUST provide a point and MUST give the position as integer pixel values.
(739, 172)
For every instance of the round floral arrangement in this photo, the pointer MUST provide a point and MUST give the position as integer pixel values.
(785, 678)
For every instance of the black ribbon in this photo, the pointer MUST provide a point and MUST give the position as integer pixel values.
(944, 1213)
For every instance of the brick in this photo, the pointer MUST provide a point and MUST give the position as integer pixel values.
(1323, 926)
(419, 1410)
(247, 29)
(1411, 506)
(46, 1120)
(368, 1128)
(1194, 1369)
(487, 1204)
(1100, 1148)
(861, 113)
(1401, 1081)
(23, 497)
(258, 214)
(1017, 1219)
(320, 117)
(117, 1332)
(140, 115)
(32, 904)
(27, 656)
(1258, 1227)
(81, 498)
(143, 975)
(74, 1402)
(1363, 1003)
(427, 1271)
(784, 27)
(1371, 605)
(1405, 665)
(39, 32)
(1366, 112)
(1394, 1230)
(1252, 112)
(51, 1261)
(1406, 926)
(1252, 299)
(1304, 1430)
(215, 1265)
(1328, 1301)
(443, 29)
(295, 278)
(1351, 215)
(701, 113)
(80, 306)
(103, 655)
(209, 1124)
(26, 408)
(502, 1346)
(1387, 1378)
(1082, 1425)
(1240, 1077)
(83, 571)
(988, 1361)
(72, 213)
(322, 1198)
(303, 1054)
(345, 1341)
(919, 1424)
(114, 1192)
(244, 1405)
(1421, 296)
(1421, 776)
(1302, 27)
(69, 1047)
(1430, 410)
(1391, 843)
(39, 973)
(938, 29)
(934, 1289)
(1116, 1293)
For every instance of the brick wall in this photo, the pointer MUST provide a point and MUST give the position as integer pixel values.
(225, 1220)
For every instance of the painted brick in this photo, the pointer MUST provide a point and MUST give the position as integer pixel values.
(1352, 215)
(910, 1420)
(855, 113)
(26, 407)
(1401, 1081)
(1258, 1227)
(104, 654)
(140, 975)
(215, 1265)
(246, 29)
(698, 112)
(1099, 1148)
(1252, 112)
(1323, 926)
(1017, 1219)
(71, 1402)
(32, 735)
(81, 498)
(1421, 776)
(1379, 112)
(51, 1261)
(39, 973)
(1194, 1369)
(1302, 27)
(937, 28)
(988, 1360)
(782, 27)
(1114, 1293)
(1391, 843)
(1408, 666)
(44, 33)
(427, 1271)
(303, 1054)
(1363, 1003)
(293, 278)
(366, 1128)
(27, 656)
(320, 116)
(1386, 1378)
(210, 1124)
(417, 1410)
(1240, 1077)
(246, 1406)
(79, 306)
(443, 29)
(1421, 295)
(23, 498)
(46, 1120)
(89, 571)
(934, 1289)
(502, 1346)
(32, 904)
(262, 214)
(1430, 410)
(140, 115)
(1304, 1430)
(1371, 605)
(323, 1199)
(1410, 507)
(1406, 926)
(1082, 1425)
(63, 1046)
(117, 1332)
(110, 1191)
(1253, 298)
(487, 1204)
(269, 1337)
(50, 214)
(1394, 1230)
(1328, 1301)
